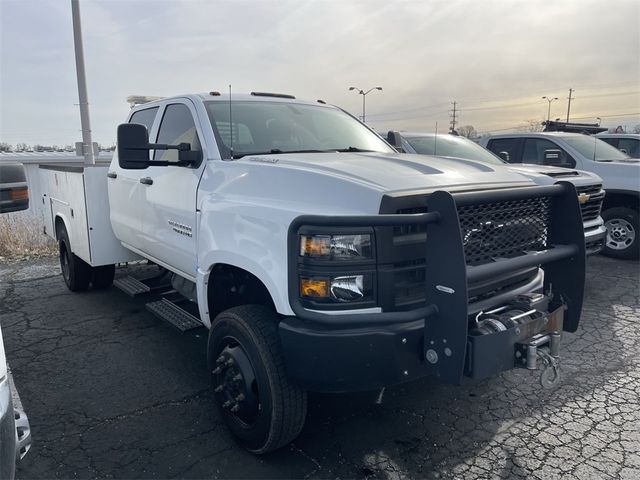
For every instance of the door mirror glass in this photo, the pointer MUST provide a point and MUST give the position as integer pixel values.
(504, 156)
(133, 146)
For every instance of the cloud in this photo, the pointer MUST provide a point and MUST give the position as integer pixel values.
(496, 54)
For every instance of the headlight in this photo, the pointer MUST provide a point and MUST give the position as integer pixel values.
(343, 288)
(336, 247)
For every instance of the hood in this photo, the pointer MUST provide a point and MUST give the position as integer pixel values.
(345, 183)
(395, 171)
(547, 175)
(619, 175)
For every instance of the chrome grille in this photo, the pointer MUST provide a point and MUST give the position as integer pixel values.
(591, 208)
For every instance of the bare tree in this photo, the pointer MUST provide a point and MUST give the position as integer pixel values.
(636, 128)
(532, 125)
(468, 131)
(5, 147)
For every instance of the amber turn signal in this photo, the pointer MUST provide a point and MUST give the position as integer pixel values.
(314, 287)
(19, 194)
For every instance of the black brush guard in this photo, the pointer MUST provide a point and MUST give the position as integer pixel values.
(446, 320)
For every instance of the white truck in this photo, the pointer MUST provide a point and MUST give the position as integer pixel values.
(588, 184)
(620, 175)
(318, 257)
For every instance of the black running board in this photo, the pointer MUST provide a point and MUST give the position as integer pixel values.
(177, 311)
(135, 287)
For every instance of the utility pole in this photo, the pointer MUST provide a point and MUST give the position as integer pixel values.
(453, 116)
(87, 144)
(571, 90)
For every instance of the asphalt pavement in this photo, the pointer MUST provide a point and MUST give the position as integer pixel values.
(113, 392)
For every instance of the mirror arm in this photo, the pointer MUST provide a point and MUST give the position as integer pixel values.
(163, 146)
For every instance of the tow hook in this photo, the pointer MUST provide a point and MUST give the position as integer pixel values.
(547, 348)
(550, 373)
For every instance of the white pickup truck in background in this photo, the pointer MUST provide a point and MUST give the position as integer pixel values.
(588, 185)
(299, 238)
(620, 176)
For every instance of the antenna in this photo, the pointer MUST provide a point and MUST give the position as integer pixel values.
(230, 122)
(435, 141)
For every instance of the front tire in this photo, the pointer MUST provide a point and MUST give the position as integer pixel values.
(623, 233)
(259, 405)
(75, 271)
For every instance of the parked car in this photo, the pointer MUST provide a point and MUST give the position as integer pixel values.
(620, 176)
(628, 143)
(319, 258)
(15, 433)
(14, 193)
(588, 185)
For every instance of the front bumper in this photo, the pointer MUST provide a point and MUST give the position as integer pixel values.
(594, 236)
(354, 351)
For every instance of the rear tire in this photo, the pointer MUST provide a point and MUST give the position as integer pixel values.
(75, 271)
(102, 277)
(259, 405)
(623, 233)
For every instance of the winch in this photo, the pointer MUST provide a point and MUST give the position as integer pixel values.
(517, 335)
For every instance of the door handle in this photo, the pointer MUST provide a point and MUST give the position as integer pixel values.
(146, 180)
(112, 175)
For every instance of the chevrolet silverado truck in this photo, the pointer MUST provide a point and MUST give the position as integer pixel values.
(588, 184)
(319, 258)
(620, 175)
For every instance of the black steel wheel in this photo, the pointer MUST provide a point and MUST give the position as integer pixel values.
(102, 277)
(259, 405)
(75, 271)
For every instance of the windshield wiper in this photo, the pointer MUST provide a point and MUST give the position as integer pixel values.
(277, 150)
(352, 149)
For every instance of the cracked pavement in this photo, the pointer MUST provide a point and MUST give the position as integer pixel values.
(113, 392)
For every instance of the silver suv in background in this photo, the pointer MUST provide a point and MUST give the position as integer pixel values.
(619, 172)
(628, 143)
(588, 185)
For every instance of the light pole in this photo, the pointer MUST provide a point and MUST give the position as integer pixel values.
(364, 96)
(549, 109)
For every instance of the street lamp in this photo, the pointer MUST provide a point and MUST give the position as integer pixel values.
(364, 95)
(549, 109)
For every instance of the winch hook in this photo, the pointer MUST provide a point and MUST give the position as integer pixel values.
(550, 372)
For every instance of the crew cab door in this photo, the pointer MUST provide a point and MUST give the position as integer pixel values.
(125, 199)
(169, 194)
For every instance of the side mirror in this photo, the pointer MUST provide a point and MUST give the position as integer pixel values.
(553, 157)
(133, 146)
(624, 150)
(395, 139)
(504, 156)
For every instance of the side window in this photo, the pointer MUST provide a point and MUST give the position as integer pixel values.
(177, 126)
(534, 152)
(505, 148)
(145, 117)
(630, 145)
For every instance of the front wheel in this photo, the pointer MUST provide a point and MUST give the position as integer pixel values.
(259, 405)
(623, 232)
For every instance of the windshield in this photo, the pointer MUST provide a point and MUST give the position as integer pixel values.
(280, 127)
(452, 146)
(595, 149)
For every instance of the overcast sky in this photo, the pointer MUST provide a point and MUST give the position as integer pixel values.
(496, 59)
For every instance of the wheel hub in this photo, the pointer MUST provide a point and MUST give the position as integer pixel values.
(235, 384)
(620, 234)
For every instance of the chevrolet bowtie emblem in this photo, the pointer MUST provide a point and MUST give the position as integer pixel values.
(583, 198)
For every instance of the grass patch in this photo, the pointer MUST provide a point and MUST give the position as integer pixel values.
(21, 234)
